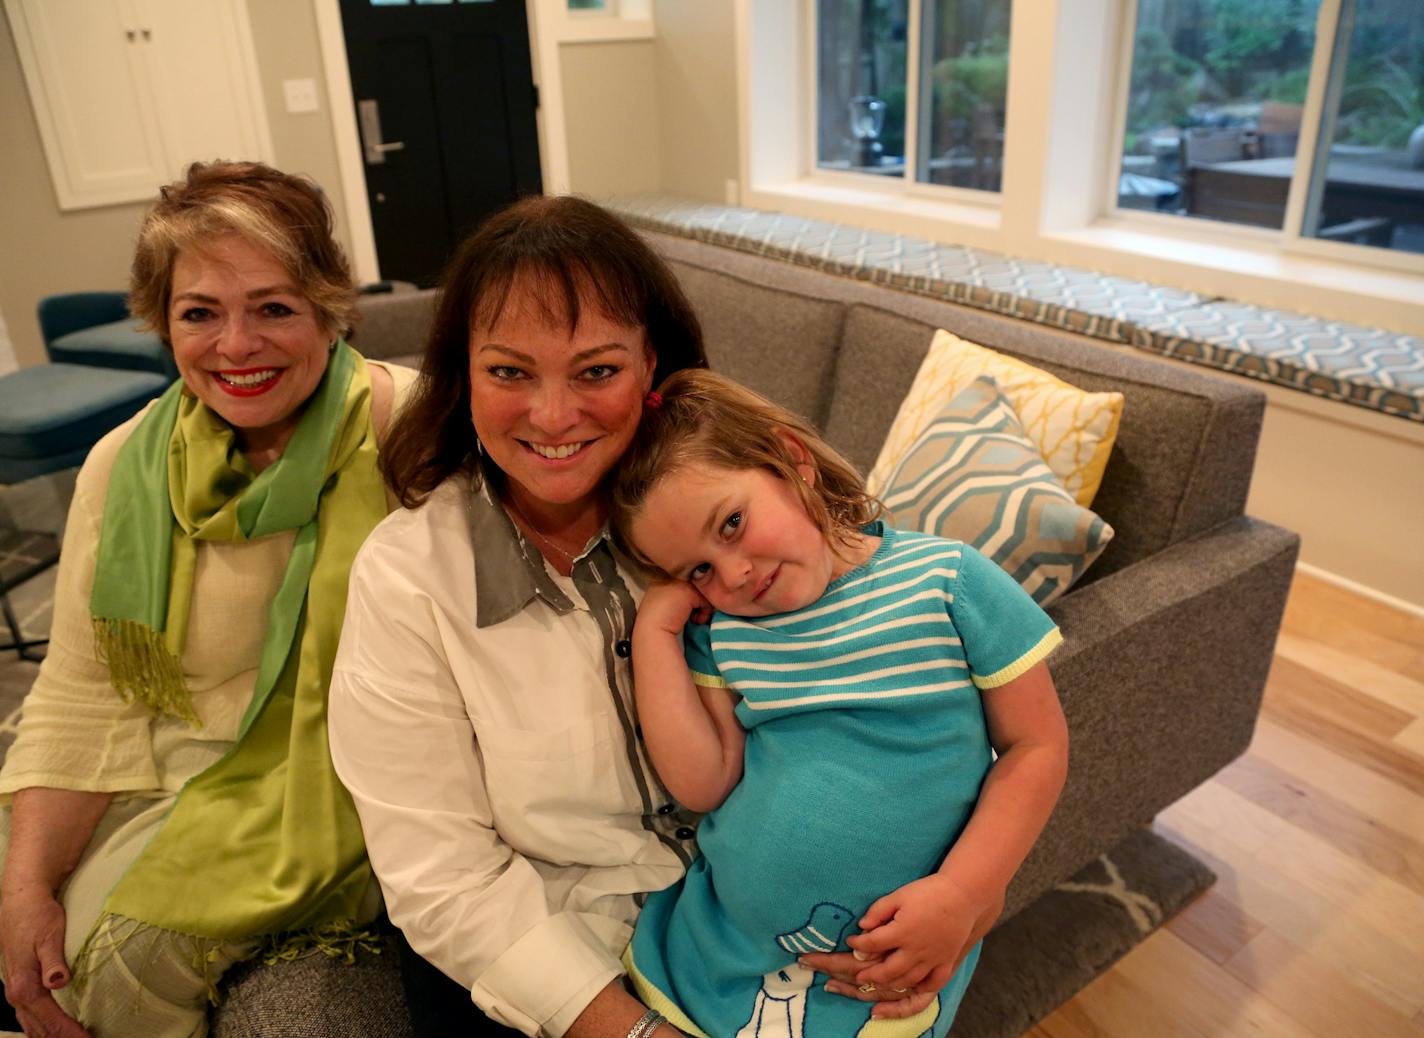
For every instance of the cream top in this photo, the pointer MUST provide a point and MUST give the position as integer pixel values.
(75, 733)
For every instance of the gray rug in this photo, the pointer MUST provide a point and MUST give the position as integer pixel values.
(1051, 950)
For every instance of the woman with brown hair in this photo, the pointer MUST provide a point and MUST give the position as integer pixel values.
(481, 711)
(174, 808)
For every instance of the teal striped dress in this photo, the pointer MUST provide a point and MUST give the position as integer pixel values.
(866, 749)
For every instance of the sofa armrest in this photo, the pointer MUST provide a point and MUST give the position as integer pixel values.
(1205, 611)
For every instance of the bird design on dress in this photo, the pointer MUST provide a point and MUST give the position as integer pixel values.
(780, 1007)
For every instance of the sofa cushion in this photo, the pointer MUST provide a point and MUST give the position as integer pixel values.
(780, 343)
(54, 408)
(118, 344)
(1072, 429)
(973, 475)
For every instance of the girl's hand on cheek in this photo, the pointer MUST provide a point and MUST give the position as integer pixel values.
(669, 605)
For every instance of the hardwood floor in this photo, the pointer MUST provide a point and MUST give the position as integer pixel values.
(1315, 927)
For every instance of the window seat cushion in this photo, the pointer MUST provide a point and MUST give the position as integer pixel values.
(1365, 367)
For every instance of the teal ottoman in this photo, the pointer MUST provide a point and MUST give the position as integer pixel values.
(51, 414)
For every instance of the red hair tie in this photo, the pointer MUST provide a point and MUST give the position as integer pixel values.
(653, 400)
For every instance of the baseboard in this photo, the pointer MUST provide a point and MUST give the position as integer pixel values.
(1360, 589)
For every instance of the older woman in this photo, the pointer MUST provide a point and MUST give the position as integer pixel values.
(482, 711)
(174, 806)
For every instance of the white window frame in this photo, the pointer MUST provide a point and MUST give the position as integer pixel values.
(619, 20)
(1062, 148)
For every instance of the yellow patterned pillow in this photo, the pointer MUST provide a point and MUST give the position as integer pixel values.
(1073, 429)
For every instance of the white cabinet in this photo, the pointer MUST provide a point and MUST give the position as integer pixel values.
(128, 92)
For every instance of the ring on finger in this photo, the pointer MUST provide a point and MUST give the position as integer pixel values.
(867, 988)
(899, 991)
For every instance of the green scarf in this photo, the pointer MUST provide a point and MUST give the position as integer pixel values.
(266, 841)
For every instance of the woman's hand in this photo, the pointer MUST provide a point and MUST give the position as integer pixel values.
(842, 968)
(49, 830)
(32, 942)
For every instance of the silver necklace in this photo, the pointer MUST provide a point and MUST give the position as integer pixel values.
(539, 537)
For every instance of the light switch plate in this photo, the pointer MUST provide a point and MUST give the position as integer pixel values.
(301, 95)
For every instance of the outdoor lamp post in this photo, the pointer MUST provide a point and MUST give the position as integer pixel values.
(867, 119)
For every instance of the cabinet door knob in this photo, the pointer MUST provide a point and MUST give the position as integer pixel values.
(130, 34)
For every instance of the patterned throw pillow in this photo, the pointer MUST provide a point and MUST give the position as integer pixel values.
(974, 476)
(1072, 429)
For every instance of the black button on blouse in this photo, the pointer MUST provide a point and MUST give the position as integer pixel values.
(685, 833)
(624, 648)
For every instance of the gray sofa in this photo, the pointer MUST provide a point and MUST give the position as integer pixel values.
(1168, 636)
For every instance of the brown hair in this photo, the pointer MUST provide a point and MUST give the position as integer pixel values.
(567, 253)
(286, 215)
(707, 419)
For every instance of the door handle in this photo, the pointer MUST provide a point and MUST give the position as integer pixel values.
(369, 112)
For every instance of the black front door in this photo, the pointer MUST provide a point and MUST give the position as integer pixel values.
(445, 105)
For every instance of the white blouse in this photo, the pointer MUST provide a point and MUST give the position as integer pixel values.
(482, 717)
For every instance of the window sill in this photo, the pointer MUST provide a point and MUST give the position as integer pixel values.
(599, 29)
(900, 213)
(1211, 261)
(1214, 263)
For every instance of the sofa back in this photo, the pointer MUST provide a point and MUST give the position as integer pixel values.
(1185, 446)
(844, 353)
(394, 325)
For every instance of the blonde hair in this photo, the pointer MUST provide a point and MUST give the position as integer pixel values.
(707, 419)
(285, 215)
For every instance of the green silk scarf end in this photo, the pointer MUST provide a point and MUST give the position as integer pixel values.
(142, 667)
(266, 840)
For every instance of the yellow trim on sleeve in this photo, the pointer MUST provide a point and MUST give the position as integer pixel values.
(1023, 664)
(708, 680)
(655, 999)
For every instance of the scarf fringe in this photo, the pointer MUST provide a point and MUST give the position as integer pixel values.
(338, 939)
(142, 669)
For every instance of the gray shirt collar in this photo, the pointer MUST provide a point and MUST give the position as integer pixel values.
(509, 570)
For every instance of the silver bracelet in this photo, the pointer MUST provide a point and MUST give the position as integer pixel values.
(647, 1024)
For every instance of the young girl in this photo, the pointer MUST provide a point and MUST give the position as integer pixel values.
(838, 719)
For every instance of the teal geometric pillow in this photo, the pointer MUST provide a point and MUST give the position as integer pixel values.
(973, 475)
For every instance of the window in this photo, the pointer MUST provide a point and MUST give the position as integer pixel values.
(862, 112)
(1368, 176)
(1218, 102)
(863, 78)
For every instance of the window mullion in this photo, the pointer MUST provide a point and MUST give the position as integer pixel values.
(811, 123)
(916, 129)
(1313, 147)
(1122, 94)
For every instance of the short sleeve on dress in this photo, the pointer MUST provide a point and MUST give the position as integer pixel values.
(1004, 631)
(697, 648)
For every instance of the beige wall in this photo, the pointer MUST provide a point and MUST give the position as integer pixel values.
(44, 250)
(1351, 483)
(284, 34)
(611, 116)
(696, 51)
